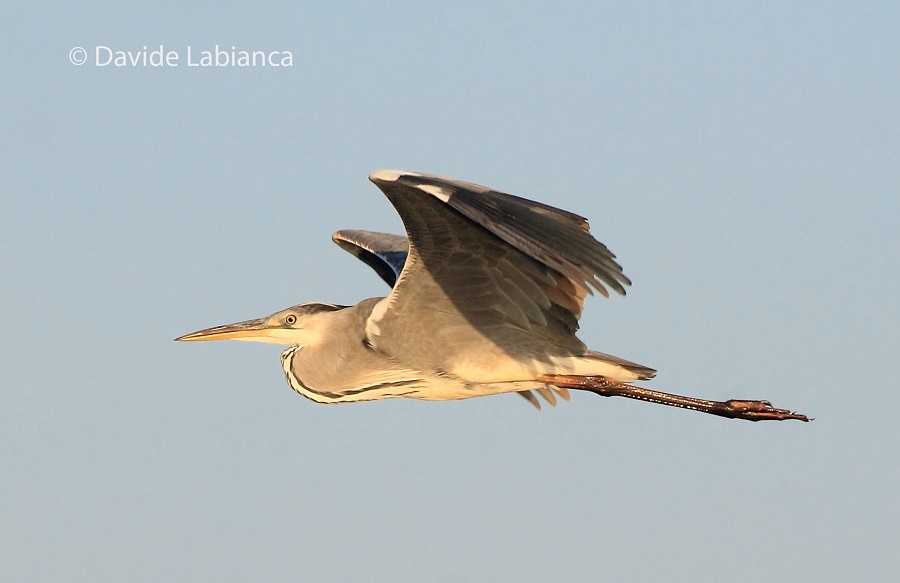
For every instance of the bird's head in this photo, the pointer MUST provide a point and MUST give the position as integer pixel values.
(301, 324)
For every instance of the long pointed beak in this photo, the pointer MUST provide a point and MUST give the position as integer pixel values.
(257, 330)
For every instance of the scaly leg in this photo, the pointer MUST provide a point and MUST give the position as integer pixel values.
(734, 408)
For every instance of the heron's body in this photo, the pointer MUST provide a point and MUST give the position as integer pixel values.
(486, 295)
(338, 362)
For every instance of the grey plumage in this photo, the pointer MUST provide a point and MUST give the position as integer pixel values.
(486, 292)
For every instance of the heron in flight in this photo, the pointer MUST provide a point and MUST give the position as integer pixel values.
(486, 292)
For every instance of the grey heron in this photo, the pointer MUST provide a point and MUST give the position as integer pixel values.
(486, 292)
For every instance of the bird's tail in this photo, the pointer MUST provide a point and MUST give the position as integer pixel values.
(640, 372)
(591, 363)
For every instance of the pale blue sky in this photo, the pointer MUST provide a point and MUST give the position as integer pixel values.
(742, 162)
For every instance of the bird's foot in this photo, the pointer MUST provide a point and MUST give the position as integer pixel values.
(759, 411)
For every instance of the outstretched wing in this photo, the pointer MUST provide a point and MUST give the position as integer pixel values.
(383, 252)
(498, 278)
(386, 254)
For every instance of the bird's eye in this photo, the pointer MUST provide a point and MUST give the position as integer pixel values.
(290, 319)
